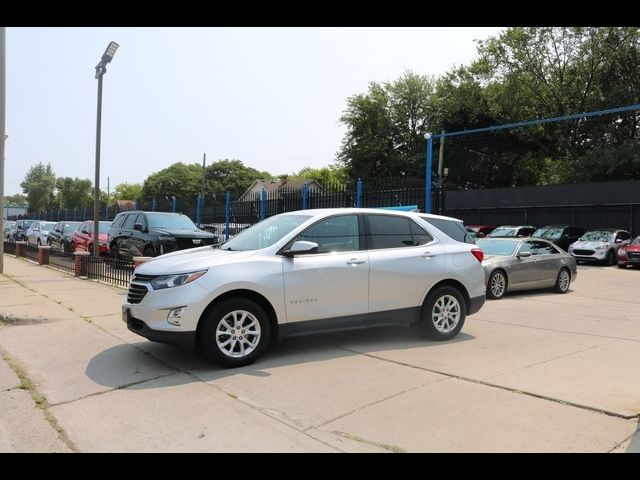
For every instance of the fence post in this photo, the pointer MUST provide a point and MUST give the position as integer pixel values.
(263, 204)
(43, 254)
(305, 196)
(427, 205)
(84, 214)
(75, 210)
(106, 211)
(66, 214)
(227, 215)
(198, 212)
(153, 204)
(359, 193)
(80, 263)
(173, 203)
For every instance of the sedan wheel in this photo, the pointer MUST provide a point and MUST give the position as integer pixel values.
(497, 284)
(611, 258)
(563, 281)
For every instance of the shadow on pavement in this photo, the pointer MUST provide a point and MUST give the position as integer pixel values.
(292, 351)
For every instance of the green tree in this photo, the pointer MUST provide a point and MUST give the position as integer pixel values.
(38, 185)
(74, 192)
(128, 191)
(16, 200)
(231, 176)
(179, 179)
(331, 175)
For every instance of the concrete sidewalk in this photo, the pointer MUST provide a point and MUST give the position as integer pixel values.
(523, 382)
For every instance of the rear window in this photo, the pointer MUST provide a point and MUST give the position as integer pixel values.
(452, 228)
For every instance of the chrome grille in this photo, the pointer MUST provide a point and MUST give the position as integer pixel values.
(633, 255)
(136, 293)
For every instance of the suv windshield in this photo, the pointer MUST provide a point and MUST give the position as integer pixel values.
(496, 247)
(159, 220)
(70, 227)
(549, 233)
(597, 236)
(265, 233)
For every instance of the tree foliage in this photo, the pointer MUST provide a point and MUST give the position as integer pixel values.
(128, 191)
(185, 181)
(38, 185)
(73, 192)
(520, 74)
(16, 200)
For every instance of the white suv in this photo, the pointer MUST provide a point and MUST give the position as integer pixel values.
(306, 272)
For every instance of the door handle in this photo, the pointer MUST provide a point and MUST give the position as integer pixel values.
(355, 261)
(429, 254)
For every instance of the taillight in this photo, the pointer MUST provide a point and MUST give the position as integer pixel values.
(479, 254)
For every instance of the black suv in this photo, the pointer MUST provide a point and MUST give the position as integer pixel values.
(561, 235)
(149, 234)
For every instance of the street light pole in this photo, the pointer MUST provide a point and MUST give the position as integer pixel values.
(3, 137)
(101, 69)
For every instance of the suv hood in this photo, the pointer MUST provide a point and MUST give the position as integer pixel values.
(182, 233)
(588, 245)
(191, 260)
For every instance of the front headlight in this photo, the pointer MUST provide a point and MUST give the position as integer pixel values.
(169, 281)
(103, 244)
(602, 246)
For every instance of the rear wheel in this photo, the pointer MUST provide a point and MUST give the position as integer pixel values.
(563, 281)
(497, 284)
(443, 313)
(235, 332)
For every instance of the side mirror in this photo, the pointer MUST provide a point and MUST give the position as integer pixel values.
(618, 240)
(85, 232)
(138, 226)
(301, 247)
(524, 254)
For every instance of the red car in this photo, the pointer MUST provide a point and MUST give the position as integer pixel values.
(82, 238)
(629, 254)
(480, 230)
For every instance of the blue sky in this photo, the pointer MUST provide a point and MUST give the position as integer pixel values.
(270, 97)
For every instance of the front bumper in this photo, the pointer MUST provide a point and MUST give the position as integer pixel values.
(183, 339)
(597, 256)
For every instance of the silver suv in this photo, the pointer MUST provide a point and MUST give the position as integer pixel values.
(600, 245)
(306, 272)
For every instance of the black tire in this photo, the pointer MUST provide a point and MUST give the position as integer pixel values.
(38, 242)
(496, 279)
(622, 265)
(149, 251)
(447, 299)
(213, 345)
(563, 281)
(611, 258)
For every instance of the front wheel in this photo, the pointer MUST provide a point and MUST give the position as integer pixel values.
(611, 258)
(563, 281)
(235, 332)
(443, 313)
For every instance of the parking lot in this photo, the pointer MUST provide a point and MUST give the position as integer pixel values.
(534, 371)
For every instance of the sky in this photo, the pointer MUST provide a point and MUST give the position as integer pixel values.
(270, 97)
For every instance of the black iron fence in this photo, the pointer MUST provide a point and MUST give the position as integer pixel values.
(31, 252)
(61, 261)
(10, 248)
(114, 272)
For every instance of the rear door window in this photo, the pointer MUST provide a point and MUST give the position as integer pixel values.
(388, 231)
(452, 228)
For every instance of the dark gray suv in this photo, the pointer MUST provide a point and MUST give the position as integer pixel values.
(149, 234)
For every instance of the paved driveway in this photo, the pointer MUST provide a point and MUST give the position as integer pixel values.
(534, 371)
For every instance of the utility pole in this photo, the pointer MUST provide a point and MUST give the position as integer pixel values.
(204, 175)
(440, 182)
(2, 140)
